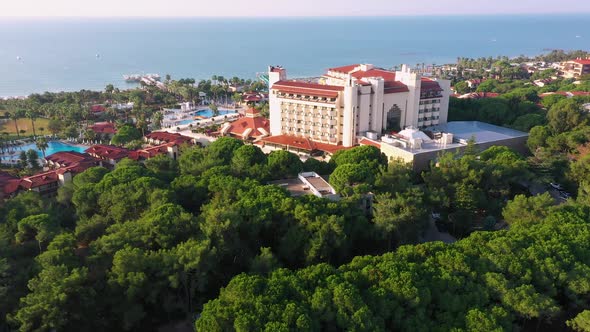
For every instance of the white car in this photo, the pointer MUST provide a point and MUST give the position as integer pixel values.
(556, 186)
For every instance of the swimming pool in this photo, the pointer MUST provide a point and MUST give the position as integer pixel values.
(53, 147)
(207, 113)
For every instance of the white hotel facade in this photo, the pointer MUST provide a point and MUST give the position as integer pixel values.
(349, 101)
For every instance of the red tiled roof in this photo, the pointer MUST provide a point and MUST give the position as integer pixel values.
(252, 121)
(40, 179)
(303, 143)
(305, 88)
(8, 183)
(582, 61)
(375, 72)
(428, 84)
(395, 87)
(103, 128)
(366, 141)
(150, 152)
(97, 108)
(344, 69)
(108, 152)
(68, 158)
(169, 137)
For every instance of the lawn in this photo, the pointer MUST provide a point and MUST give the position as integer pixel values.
(24, 124)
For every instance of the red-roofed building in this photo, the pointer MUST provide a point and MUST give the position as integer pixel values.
(575, 68)
(254, 98)
(97, 109)
(250, 127)
(108, 153)
(300, 144)
(74, 161)
(162, 137)
(8, 185)
(170, 149)
(366, 141)
(349, 101)
(106, 129)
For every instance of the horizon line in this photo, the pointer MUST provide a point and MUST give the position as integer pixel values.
(293, 16)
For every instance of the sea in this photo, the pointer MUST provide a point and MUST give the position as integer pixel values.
(69, 54)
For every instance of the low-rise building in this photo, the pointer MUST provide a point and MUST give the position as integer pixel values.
(252, 126)
(419, 148)
(163, 137)
(575, 68)
(106, 129)
(108, 154)
(308, 183)
(8, 185)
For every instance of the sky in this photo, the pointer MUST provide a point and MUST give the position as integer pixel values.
(274, 8)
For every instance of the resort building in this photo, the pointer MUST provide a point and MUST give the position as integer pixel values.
(8, 185)
(72, 160)
(105, 129)
(575, 68)
(252, 126)
(109, 155)
(419, 148)
(61, 167)
(308, 183)
(163, 137)
(349, 101)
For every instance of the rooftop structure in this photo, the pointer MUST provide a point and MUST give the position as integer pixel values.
(161, 137)
(419, 148)
(104, 128)
(348, 101)
(109, 153)
(95, 109)
(575, 68)
(75, 161)
(251, 126)
(308, 183)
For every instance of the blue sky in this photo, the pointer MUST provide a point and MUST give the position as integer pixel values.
(266, 8)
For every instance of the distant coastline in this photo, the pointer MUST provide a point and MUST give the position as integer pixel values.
(59, 54)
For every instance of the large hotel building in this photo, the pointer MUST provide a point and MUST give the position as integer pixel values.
(347, 102)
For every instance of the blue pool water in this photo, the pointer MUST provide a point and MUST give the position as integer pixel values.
(185, 122)
(209, 113)
(54, 146)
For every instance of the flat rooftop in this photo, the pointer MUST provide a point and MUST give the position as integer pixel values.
(483, 132)
(294, 186)
(463, 131)
(320, 184)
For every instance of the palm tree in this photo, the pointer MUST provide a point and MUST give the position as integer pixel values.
(32, 114)
(42, 145)
(15, 116)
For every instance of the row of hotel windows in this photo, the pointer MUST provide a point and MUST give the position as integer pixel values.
(426, 102)
(435, 117)
(430, 94)
(306, 107)
(428, 110)
(308, 131)
(309, 123)
(317, 116)
(305, 97)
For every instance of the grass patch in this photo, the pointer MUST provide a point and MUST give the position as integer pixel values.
(24, 124)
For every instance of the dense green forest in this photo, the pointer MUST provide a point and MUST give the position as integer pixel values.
(206, 242)
(144, 246)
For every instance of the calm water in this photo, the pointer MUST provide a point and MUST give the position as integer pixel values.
(61, 54)
(54, 146)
